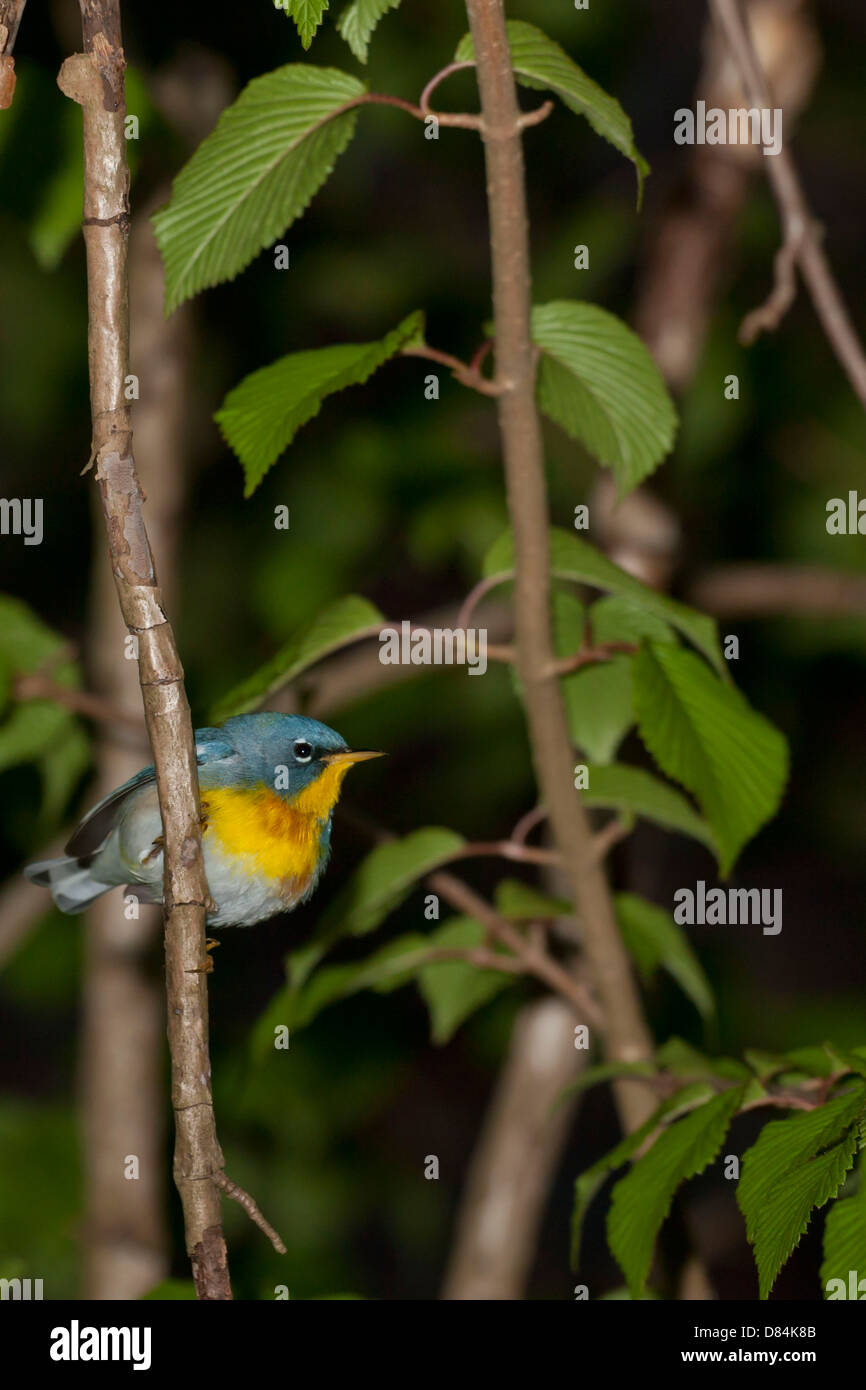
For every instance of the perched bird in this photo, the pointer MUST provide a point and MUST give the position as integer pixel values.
(268, 785)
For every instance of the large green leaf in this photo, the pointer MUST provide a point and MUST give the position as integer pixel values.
(541, 64)
(845, 1236)
(796, 1165)
(598, 381)
(653, 939)
(358, 20)
(618, 787)
(575, 559)
(348, 620)
(307, 15)
(455, 989)
(260, 417)
(255, 173)
(642, 1199)
(588, 1183)
(703, 733)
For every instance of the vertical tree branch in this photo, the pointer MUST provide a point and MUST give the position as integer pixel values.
(126, 1238)
(627, 1035)
(94, 79)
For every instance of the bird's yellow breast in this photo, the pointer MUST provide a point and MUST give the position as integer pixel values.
(282, 837)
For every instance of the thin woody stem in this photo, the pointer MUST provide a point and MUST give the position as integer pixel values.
(800, 233)
(94, 79)
(466, 374)
(627, 1035)
(237, 1194)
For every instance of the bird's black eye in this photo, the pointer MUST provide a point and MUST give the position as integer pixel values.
(302, 750)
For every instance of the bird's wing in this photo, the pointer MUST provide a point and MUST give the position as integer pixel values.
(210, 745)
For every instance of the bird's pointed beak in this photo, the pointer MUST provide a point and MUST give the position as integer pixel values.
(347, 758)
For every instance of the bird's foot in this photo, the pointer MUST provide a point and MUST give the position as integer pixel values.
(155, 849)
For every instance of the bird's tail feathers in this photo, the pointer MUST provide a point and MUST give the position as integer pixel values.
(72, 884)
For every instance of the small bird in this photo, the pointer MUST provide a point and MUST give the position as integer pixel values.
(268, 785)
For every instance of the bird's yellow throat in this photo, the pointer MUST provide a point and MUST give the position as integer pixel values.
(282, 836)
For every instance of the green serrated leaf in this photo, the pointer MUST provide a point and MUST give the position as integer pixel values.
(703, 733)
(358, 20)
(796, 1164)
(598, 707)
(541, 64)
(597, 380)
(605, 1071)
(307, 15)
(622, 620)
(654, 940)
(788, 1210)
(453, 990)
(348, 620)
(686, 1062)
(260, 417)
(576, 560)
(845, 1242)
(618, 787)
(588, 1183)
(254, 175)
(642, 1199)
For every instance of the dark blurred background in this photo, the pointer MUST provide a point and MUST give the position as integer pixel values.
(397, 497)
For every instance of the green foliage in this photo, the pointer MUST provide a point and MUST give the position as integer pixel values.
(270, 153)
(358, 20)
(618, 787)
(307, 15)
(703, 733)
(521, 902)
(622, 620)
(598, 707)
(541, 64)
(574, 559)
(348, 620)
(384, 878)
(589, 1182)
(453, 990)
(642, 1199)
(654, 939)
(796, 1165)
(42, 732)
(262, 415)
(600, 384)
(306, 995)
(845, 1236)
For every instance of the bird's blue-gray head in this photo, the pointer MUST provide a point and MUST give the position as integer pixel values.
(287, 753)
